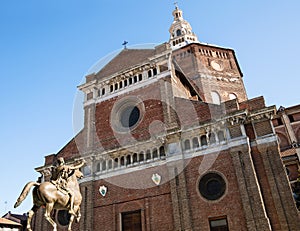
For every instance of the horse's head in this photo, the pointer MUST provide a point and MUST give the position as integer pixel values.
(78, 174)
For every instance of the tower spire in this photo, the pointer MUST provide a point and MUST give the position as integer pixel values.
(180, 30)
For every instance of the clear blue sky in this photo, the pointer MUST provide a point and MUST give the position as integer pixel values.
(47, 46)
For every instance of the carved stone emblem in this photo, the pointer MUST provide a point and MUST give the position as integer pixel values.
(103, 190)
(156, 178)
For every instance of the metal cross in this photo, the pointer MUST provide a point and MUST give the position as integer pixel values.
(124, 44)
(176, 4)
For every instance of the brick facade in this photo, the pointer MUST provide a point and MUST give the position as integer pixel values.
(179, 137)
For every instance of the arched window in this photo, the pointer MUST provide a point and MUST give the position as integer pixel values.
(141, 157)
(128, 160)
(140, 77)
(178, 32)
(103, 164)
(155, 153)
(187, 145)
(203, 140)
(232, 96)
(148, 155)
(221, 136)
(110, 164)
(162, 151)
(122, 161)
(149, 73)
(212, 138)
(195, 142)
(135, 158)
(103, 91)
(216, 99)
(116, 162)
(154, 71)
(98, 167)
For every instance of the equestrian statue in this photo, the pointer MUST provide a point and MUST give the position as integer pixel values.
(62, 192)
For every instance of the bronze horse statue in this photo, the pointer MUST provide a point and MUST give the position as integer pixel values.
(46, 194)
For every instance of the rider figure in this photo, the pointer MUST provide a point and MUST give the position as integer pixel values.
(60, 177)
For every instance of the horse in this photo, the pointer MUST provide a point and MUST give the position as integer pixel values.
(47, 195)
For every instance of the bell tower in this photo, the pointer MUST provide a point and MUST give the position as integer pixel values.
(181, 31)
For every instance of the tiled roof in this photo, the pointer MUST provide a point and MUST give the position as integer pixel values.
(4, 221)
(125, 59)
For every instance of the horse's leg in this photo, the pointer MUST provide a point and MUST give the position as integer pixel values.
(70, 222)
(30, 215)
(78, 215)
(49, 207)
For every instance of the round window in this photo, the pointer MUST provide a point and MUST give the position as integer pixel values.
(129, 116)
(126, 114)
(63, 217)
(212, 186)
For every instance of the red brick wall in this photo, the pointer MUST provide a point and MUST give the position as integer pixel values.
(230, 204)
(106, 136)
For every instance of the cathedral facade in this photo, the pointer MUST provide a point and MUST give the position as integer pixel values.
(172, 142)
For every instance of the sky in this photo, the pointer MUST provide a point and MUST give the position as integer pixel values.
(46, 47)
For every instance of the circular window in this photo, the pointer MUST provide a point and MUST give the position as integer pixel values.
(63, 217)
(212, 186)
(129, 116)
(126, 114)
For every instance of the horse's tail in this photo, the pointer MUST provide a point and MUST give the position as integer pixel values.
(25, 192)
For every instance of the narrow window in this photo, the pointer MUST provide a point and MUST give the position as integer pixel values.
(162, 151)
(140, 77)
(111, 88)
(216, 99)
(121, 85)
(154, 71)
(148, 155)
(128, 160)
(135, 158)
(221, 136)
(135, 79)
(149, 73)
(125, 83)
(195, 142)
(103, 91)
(212, 138)
(203, 140)
(98, 167)
(116, 86)
(110, 164)
(155, 153)
(187, 145)
(103, 165)
(130, 80)
(141, 157)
